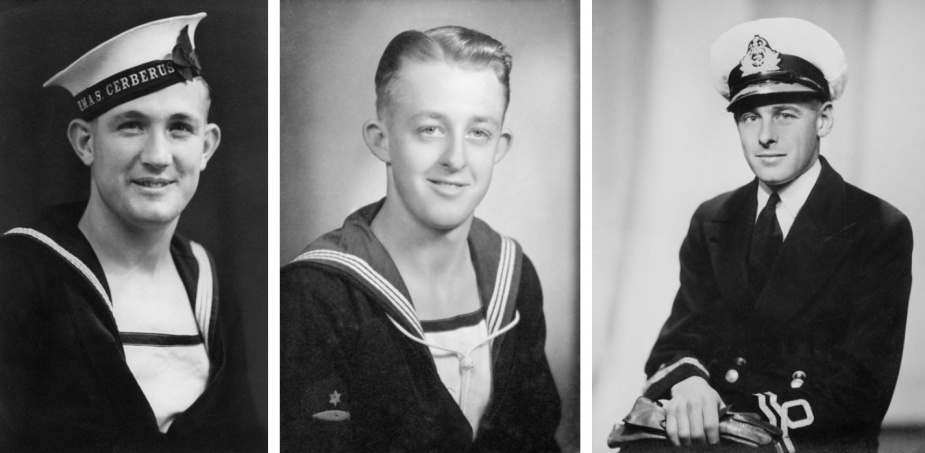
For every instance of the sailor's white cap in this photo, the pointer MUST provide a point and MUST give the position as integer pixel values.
(778, 57)
(138, 62)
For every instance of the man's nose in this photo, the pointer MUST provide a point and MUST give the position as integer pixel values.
(768, 134)
(454, 154)
(156, 153)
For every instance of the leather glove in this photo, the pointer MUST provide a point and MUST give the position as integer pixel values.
(647, 421)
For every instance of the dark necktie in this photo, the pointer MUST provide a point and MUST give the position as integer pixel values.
(766, 241)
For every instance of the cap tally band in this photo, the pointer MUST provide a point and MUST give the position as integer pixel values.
(125, 86)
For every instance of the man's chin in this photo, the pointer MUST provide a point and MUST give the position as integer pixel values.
(153, 218)
(773, 178)
(448, 221)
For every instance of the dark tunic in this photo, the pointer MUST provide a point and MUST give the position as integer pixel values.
(351, 380)
(64, 381)
(834, 310)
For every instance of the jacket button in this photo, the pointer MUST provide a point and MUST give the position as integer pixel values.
(732, 376)
(740, 361)
(798, 377)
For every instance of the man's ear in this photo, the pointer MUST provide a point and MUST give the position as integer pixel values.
(213, 136)
(376, 136)
(826, 119)
(81, 138)
(504, 144)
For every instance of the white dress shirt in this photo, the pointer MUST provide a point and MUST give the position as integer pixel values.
(792, 197)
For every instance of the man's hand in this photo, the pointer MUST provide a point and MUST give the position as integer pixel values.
(693, 412)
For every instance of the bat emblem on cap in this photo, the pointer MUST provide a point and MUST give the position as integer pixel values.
(760, 57)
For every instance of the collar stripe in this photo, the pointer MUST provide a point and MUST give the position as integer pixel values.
(498, 303)
(364, 270)
(204, 285)
(70, 258)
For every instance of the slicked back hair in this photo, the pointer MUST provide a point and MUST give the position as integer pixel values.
(450, 44)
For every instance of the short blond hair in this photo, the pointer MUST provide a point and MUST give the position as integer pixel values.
(450, 44)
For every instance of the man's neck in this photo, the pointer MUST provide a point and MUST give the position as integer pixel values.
(435, 264)
(428, 250)
(120, 245)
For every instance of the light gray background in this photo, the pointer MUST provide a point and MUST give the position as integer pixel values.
(329, 54)
(663, 143)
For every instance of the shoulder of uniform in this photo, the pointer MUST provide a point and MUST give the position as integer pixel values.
(864, 207)
(717, 205)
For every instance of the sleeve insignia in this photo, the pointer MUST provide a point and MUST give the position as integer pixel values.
(335, 398)
(333, 415)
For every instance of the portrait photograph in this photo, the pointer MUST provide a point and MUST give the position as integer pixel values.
(349, 71)
(699, 108)
(101, 150)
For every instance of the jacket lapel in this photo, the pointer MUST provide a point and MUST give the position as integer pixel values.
(729, 237)
(815, 246)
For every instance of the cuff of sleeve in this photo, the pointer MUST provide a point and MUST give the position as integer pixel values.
(659, 384)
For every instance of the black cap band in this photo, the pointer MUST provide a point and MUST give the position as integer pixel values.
(125, 86)
(781, 97)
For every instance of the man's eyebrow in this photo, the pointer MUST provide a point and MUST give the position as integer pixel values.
(129, 115)
(184, 117)
(486, 119)
(136, 115)
(428, 114)
(439, 116)
(780, 107)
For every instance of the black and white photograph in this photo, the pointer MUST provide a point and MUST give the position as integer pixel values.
(756, 193)
(490, 225)
(133, 186)
(429, 189)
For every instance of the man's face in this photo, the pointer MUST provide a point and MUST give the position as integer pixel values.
(146, 154)
(781, 141)
(444, 136)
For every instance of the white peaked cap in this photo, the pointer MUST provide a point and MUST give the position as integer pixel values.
(788, 37)
(144, 44)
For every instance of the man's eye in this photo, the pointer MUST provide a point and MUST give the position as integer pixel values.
(480, 134)
(431, 131)
(130, 126)
(181, 127)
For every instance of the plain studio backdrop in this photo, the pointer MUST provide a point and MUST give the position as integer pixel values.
(329, 54)
(663, 143)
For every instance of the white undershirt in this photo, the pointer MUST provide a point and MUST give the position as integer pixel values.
(792, 196)
(449, 366)
(172, 376)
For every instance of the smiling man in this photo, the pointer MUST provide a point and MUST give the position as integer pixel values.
(794, 287)
(112, 336)
(415, 326)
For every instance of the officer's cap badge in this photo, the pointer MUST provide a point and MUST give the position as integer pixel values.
(760, 57)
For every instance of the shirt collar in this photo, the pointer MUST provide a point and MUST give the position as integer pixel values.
(793, 195)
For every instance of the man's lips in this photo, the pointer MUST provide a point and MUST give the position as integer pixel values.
(153, 183)
(447, 183)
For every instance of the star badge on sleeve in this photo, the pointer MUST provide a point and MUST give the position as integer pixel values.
(333, 415)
